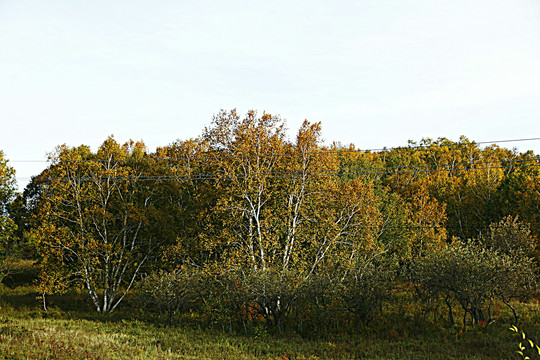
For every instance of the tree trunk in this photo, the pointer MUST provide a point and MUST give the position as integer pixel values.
(450, 312)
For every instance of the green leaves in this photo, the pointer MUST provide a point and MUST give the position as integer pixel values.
(473, 276)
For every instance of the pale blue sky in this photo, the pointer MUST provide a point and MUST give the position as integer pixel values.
(374, 72)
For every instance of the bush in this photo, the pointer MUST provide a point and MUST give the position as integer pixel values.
(272, 294)
(366, 286)
(170, 293)
(474, 277)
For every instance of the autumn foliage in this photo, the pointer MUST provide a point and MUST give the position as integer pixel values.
(246, 221)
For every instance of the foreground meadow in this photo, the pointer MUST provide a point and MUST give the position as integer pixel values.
(34, 335)
(70, 329)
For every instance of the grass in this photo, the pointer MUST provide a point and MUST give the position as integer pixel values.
(72, 330)
(24, 337)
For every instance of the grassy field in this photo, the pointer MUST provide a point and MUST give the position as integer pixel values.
(71, 330)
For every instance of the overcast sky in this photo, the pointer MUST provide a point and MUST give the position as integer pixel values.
(375, 72)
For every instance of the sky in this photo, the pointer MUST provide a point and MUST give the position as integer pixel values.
(375, 73)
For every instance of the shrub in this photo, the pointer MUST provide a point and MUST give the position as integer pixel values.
(510, 236)
(272, 294)
(473, 276)
(366, 286)
(170, 293)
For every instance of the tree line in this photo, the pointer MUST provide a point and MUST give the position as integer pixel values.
(245, 219)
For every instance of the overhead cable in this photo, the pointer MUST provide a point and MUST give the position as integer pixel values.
(219, 154)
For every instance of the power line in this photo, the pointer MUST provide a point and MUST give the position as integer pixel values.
(291, 174)
(216, 155)
(510, 140)
(449, 167)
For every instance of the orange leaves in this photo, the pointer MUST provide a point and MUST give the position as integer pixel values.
(280, 204)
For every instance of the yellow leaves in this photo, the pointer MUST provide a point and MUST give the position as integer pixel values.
(309, 136)
(136, 150)
(427, 220)
(93, 215)
(279, 202)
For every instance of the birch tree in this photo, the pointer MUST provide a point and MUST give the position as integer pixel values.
(284, 214)
(95, 213)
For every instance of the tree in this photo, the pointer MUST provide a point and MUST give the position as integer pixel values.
(367, 284)
(519, 193)
(7, 225)
(473, 276)
(282, 212)
(410, 175)
(462, 177)
(97, 220)
(510, 236)
(186, 200)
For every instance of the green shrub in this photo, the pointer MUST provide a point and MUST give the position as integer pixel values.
(365, 287)
(170, 293)
(474, 277)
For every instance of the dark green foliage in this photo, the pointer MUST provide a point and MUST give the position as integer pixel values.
(7, 225)
(171, 293)
(366, 286)
(272, 294)
(280, 235)
(474, 277)
(71, 330)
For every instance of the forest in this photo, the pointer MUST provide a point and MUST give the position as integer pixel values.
(249, 232)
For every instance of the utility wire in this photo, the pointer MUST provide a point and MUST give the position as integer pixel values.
(216, 154)
(288, 174)
(452, 166)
